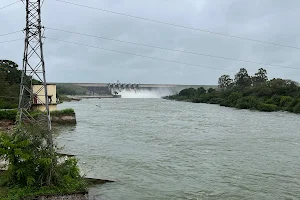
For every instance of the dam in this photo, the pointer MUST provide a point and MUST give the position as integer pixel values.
(110, 89)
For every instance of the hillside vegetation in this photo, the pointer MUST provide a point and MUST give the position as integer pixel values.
(10, 78)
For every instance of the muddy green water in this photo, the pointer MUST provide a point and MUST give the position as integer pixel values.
(159, 149)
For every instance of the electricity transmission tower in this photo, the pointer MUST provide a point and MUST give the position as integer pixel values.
(33, 70)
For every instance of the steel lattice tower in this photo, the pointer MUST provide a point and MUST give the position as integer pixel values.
(33, 66)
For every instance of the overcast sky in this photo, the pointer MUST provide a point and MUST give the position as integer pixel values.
(274, 21)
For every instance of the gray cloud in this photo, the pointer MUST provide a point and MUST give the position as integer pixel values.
(269, 20)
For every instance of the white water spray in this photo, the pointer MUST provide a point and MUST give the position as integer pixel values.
(143, 93)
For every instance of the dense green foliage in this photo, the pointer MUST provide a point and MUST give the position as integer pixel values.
(33, 167)
(8, 114)
(248, 92)
(10, 78)
(70, 89)
(64, 98)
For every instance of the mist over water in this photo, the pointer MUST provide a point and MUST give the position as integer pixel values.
(145, 93)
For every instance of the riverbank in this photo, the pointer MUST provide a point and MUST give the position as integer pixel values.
(64, 117)
(240, 100)
(247, 92)
(32, 170)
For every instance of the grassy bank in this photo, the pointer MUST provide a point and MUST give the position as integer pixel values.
(56, 115)
(12, 114)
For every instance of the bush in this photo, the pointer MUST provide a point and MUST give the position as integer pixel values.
(215, 101)
(296, 109)
(225, 103)
(8, 114)
(189, 92)
(202, 99)
(6, 104)
(211, 90)
(198, 100)
(264, 92)
(293, 104)
(63, 98)
(269, 101)
(33, 166)
(285, 101)
(267, 107)
(276, 99)
(249, 102)
(231, 101)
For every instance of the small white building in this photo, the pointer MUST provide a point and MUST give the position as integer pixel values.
(39, 97)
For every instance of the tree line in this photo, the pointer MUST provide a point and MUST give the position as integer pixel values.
(10, 79)
(255, 92)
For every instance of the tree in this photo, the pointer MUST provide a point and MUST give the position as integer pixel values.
(283, 87)
(242, 78)
(200, 91)
(188, 92)
(224, 81)
(13, 75)
(260, 76)
(210, 90)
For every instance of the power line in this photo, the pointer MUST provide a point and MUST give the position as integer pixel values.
(9, 5)
(11, 33)
(177, 25)
(11, 40)
(138, 55)
(168, 49)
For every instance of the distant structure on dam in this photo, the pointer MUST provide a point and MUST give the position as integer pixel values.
(113, 88)
(100, 89)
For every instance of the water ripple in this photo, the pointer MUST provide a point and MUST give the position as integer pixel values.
(158, 149)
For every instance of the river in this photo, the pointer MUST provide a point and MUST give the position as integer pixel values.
(159, 149)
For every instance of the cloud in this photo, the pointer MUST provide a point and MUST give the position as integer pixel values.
(272, 21)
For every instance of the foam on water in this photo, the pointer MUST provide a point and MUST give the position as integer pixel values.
(145, 93)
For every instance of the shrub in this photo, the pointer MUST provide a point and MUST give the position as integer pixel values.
(264, 92)
(276, 99)
(285, 101)
(215, 101)
(225, 102)
(211, 90)
(233, 98)
(267, 107)
(292, 105)
(202, 99)
(8, 114)
(269, 101)
(189, 92)
(6, 104)
(33, 166)
(296, 109)
(249, 102)
(63, 98)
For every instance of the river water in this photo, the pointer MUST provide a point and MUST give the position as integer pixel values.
(159, 149)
